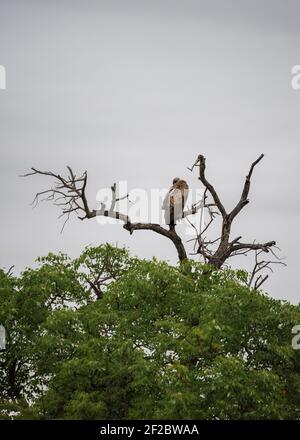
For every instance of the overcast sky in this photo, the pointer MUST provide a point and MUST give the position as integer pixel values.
(135, 90)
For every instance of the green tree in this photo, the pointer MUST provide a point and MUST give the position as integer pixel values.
(108, 336)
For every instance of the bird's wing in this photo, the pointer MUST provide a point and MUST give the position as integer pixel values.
(184, 191)
(165, 204)
(173, 197)
(185, 195)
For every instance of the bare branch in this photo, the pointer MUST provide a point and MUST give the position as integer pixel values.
(69, 193)
(258, 267)
(244, 197)
(209, 186)
(9, 271)
(171, 234)
(226, 248)
(252, 246)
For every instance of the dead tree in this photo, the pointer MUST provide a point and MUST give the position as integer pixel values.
(226, 247)
(69, 193)
(256, 278)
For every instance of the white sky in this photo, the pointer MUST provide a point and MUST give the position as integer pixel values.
(135, 90)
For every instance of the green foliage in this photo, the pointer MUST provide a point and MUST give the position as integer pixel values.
(107, 336)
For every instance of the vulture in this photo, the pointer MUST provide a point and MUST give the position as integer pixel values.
(175, 201)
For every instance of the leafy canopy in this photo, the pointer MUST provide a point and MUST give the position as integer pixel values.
(108, 336)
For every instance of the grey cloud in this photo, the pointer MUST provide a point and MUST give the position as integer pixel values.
(135, 90)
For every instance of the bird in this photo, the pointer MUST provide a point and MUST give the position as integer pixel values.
(175, 200)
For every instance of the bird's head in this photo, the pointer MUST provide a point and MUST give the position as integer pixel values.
(175, 180)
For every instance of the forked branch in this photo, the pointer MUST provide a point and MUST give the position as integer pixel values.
(256, 278)
(225, 248)
(69, 193)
